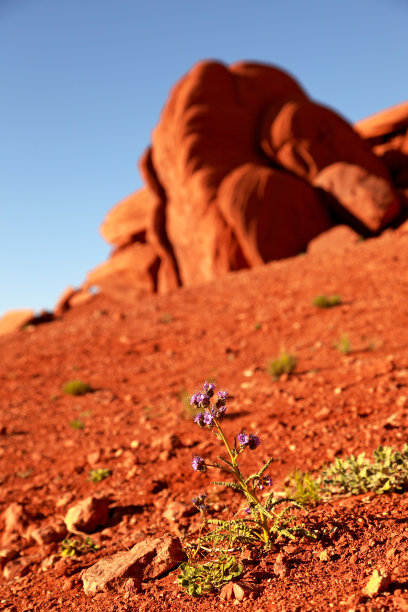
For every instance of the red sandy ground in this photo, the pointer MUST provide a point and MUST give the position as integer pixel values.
(140, 358)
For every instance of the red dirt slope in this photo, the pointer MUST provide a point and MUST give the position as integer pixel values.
(140, 358)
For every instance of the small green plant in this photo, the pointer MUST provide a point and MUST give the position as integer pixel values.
(387, 472)
(74, 547)
(285, 364)
(258, 326)
(25, 473)
(99, 474)
(76, 387)
(200, 578)
(77, 424)
(324, 301)
(166, 318)
(343, 345)
(302, 487)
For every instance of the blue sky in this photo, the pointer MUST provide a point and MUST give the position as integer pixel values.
(83, 83)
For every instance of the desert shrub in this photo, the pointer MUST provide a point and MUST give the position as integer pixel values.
(77, 424)
(386, 472)
(76, 387)
(77, 546)
(285, 364)
(343, 345)
(200, 578)
(99, 474)
(302, 487)
(324, 301)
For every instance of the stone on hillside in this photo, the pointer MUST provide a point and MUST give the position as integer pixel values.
(87, 515)
(129, 271)
(14, 320)
(379, 581)
(128, 221)
(272, 214)
(368, 200)
(14, 519)
(63, 303)
(384, 122)
(54, 532)
(305, 137)
(147, 560)
(336, 239)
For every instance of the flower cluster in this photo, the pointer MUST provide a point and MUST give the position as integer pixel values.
(198, 464)
(199, 502)
(208, 413)
(251, 441)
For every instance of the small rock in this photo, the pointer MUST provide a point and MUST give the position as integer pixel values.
(170, 442)
(280, 568)
(49, 533)
(94, 457)
(378, 582)
(14, 522)
(87, 515)
(146, 560)
(177, 510)
(68, 584)
(8, 554)
(324, 556)
(49, 562)
(17, 568)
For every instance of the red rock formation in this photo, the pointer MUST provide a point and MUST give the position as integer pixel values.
(387, 134)
(243, 169)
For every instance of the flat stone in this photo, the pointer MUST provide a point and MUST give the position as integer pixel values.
(147, 560)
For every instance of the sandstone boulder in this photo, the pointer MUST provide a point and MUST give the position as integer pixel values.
(366, 200)
(243, 168)
(15, 319)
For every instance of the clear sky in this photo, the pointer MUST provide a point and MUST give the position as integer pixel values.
(83, 83)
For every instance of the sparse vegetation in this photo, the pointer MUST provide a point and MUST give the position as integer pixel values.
(324, 301)
(302, 487)
(77, 546)
(343, 345)
(201, 578)
(76, 387)
(285, 364)
(385, 473)
(77, 424)
(99, 474)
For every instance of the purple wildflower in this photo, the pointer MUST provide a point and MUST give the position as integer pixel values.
(253, 442)
(222, 395)
(199, 419)
(243, 438)
(247, 510)
(198, 464)
(209, 389)
(199, 502)
(199, 399)
(265, 481)
(208, 418)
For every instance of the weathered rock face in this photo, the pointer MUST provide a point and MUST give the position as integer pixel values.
(387, 134)
(244, 168)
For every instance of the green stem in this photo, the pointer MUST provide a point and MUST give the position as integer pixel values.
(251, 494)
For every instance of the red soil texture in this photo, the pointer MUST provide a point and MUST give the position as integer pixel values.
(141, 356)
